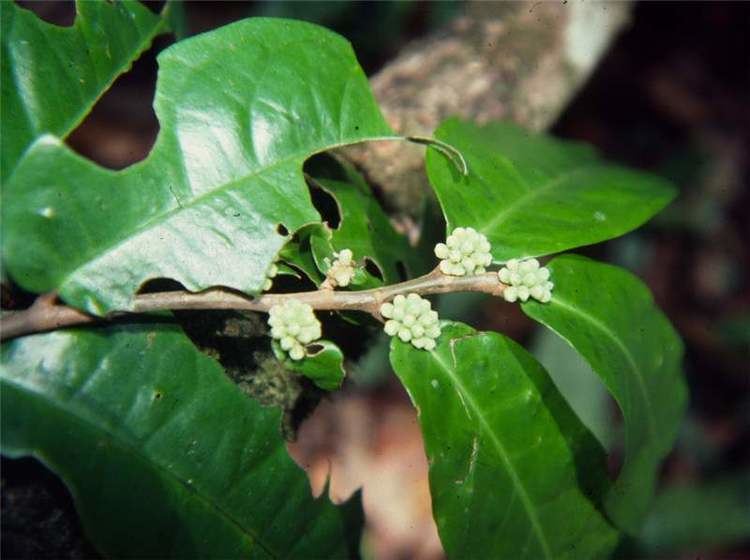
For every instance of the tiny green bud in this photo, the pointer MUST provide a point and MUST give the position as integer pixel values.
(273, 270)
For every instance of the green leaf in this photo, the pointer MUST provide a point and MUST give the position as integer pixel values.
(693, 518)
(323, 256)
(298, 252)
(577, 382)
(323, 365)
(533, 195)
(504, 451)
(609, 317)
(164, 455)
(364, 227)
(52, 76)
(240, 109)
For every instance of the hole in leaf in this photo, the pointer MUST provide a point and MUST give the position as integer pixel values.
(326, 206)
(314, 349)
(401, 269)
(325, 166)
(155, 285)
(122, 127)
(373, 268)
(282, 230)
(157, 395)
(57, 12)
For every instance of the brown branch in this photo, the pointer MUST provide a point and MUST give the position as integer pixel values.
(46, 315)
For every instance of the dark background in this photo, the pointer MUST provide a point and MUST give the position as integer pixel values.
(672, 96)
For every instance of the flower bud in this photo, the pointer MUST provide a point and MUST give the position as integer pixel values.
(294, 325)
(466, 251)
(525, 279)
(412, 319)
(341, 271)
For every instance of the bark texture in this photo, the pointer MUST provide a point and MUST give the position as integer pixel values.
(521, 61)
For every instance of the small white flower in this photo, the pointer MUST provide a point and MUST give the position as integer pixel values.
(273, 270)
(466, 251)
(412, 319)
(294, 325)
(342, 269)
(524, 279)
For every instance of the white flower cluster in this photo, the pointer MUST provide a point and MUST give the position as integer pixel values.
(294, 325)
(466, 251)
(273, 270)
(412, 319)
(342, 270)
(525, 278)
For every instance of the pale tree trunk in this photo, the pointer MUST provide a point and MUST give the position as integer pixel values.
(521, 61)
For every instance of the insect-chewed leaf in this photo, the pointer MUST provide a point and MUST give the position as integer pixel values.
(51, 76)
(240, 109)
(533, 195)
(364, 227)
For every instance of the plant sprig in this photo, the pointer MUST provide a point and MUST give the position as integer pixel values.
(46, 314)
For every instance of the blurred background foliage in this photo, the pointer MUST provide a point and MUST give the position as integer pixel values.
(671, 96)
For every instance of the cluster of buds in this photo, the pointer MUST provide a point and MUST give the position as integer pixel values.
(341, 271)
(294, 325)
(466, 251)
(524, 279)
(412, 319)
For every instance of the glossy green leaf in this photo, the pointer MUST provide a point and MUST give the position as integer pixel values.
(52, 75)
(164, 455)
(533, 195)
(609, 317)
(690, 518)
(577, 382)
(323, 365)
(364, 227)
(240, 109)
(323, 256)
(510, 465)
(298, 252)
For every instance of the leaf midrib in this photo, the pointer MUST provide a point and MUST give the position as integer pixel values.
(139, 453)
(501, 451)
(163, 217)
(532, 194)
